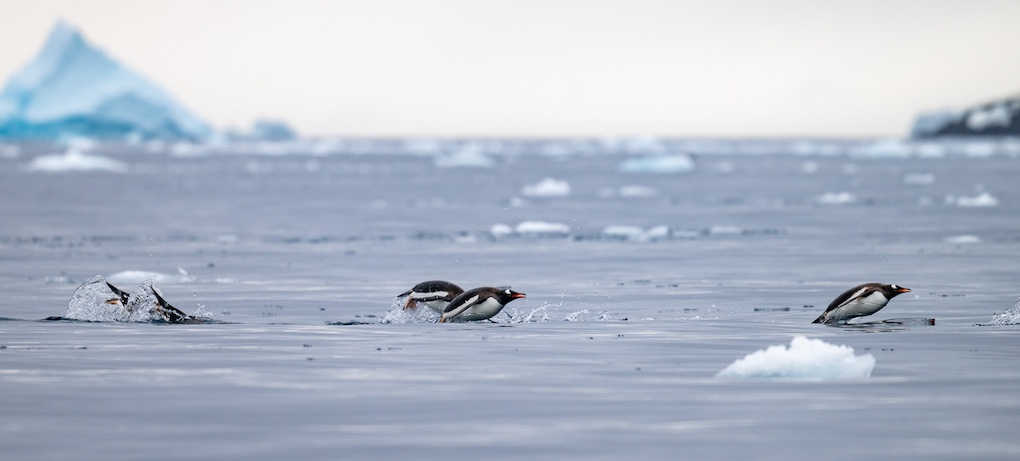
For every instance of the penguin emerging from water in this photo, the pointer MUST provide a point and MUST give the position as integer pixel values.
(478, 304)
(860, 301)
(436, 294)
(169, 313)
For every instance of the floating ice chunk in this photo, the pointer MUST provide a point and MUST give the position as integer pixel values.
(809, 167)
(884, 148)
(542, 228)
(658, 164)
(132, 277)
(978, 149)
(466, 156)
(919, 179)
(836, 198)
(963, 240)
(659, 232)
(75, 160)
(636, 234)
(806, 358)
(1010, 317)
(501, 230)
(547, 187)
(983, 199)
(637, 191)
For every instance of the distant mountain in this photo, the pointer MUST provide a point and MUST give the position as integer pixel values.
(74, 89)
(997, 118)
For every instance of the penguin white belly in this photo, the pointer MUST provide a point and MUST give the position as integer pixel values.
(861, 307)
(480, 311)
(438, 305)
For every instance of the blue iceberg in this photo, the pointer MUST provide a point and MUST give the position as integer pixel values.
(72, 89)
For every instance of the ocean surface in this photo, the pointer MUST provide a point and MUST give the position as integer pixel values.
(647, 272)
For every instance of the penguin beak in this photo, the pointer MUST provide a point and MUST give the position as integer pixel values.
(903, 290)
(518, 295)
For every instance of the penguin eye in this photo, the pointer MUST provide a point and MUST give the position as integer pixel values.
(508, 291)
(894, 287)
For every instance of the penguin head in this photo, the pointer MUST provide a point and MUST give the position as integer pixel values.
(506, 295)
(895, 289)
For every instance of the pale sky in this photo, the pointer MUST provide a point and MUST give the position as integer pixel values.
(550, 67)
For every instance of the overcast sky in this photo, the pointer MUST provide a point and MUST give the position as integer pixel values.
(551, 67)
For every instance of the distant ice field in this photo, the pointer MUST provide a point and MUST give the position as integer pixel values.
(635, 303)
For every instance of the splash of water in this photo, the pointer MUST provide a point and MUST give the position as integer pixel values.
(1010, 317)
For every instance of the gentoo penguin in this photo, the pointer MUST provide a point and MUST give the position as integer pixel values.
(169, 313)
(436, 294)
(122, 298)
(478, 304)
(859, 301)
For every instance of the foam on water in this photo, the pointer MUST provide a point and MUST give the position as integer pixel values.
(804, 359)
(75, 160)
(397, 313)
(1010, 317)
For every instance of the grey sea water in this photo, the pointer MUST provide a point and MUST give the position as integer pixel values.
(612, 355)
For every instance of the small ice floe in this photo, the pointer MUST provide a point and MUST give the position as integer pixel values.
(636, 234)
(74, 160)
(638, 192)
(657, 164)
(983, 199)
(836, 198)
(548, 187)
(963, 240)
(919, 179)
(133, 277)
(542, 228)
(501, 230)
(1010, 317)
(466, 156)
(808, 359)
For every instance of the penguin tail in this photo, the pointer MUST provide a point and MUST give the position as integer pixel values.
(820, 319)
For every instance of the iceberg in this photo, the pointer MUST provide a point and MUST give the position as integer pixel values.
(73, 89)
